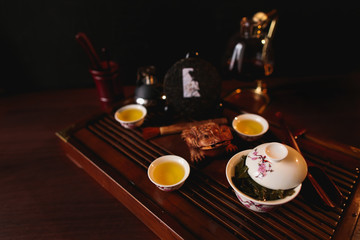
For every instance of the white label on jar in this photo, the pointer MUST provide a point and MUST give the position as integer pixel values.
(190, 86)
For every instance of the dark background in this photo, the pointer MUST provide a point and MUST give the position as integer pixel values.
(39, 50)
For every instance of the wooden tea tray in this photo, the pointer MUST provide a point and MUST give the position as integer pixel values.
(206, 207)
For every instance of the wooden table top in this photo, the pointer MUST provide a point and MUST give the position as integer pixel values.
(44, 195)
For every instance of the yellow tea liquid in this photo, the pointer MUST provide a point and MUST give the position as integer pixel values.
(168, 173)
(129, 115)
(250, 127)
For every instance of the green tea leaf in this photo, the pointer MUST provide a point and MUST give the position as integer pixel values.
(244, 183)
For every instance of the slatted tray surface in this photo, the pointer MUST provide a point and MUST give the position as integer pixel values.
(205, 207)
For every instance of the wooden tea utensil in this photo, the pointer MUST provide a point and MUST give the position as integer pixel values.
(322, 183)
(151, 132)
(86, 44)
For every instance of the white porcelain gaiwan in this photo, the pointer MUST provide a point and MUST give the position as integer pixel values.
(276, 166)
(247, 201)
(272, 165)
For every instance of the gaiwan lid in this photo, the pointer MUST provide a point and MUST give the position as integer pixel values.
(276, 166)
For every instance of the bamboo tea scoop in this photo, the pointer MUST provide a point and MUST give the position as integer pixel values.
(322, 183)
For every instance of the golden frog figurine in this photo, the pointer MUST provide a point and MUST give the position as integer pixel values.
(209, 139)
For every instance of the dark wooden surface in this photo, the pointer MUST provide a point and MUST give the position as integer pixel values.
(44, 195)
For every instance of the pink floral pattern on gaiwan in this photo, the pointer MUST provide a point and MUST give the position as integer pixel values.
(169, 189)
(263, 163)
(255, 206)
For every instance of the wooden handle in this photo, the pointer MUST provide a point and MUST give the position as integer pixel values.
(318, 188)
(290, 137)
(320, 191)
(178, 127)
